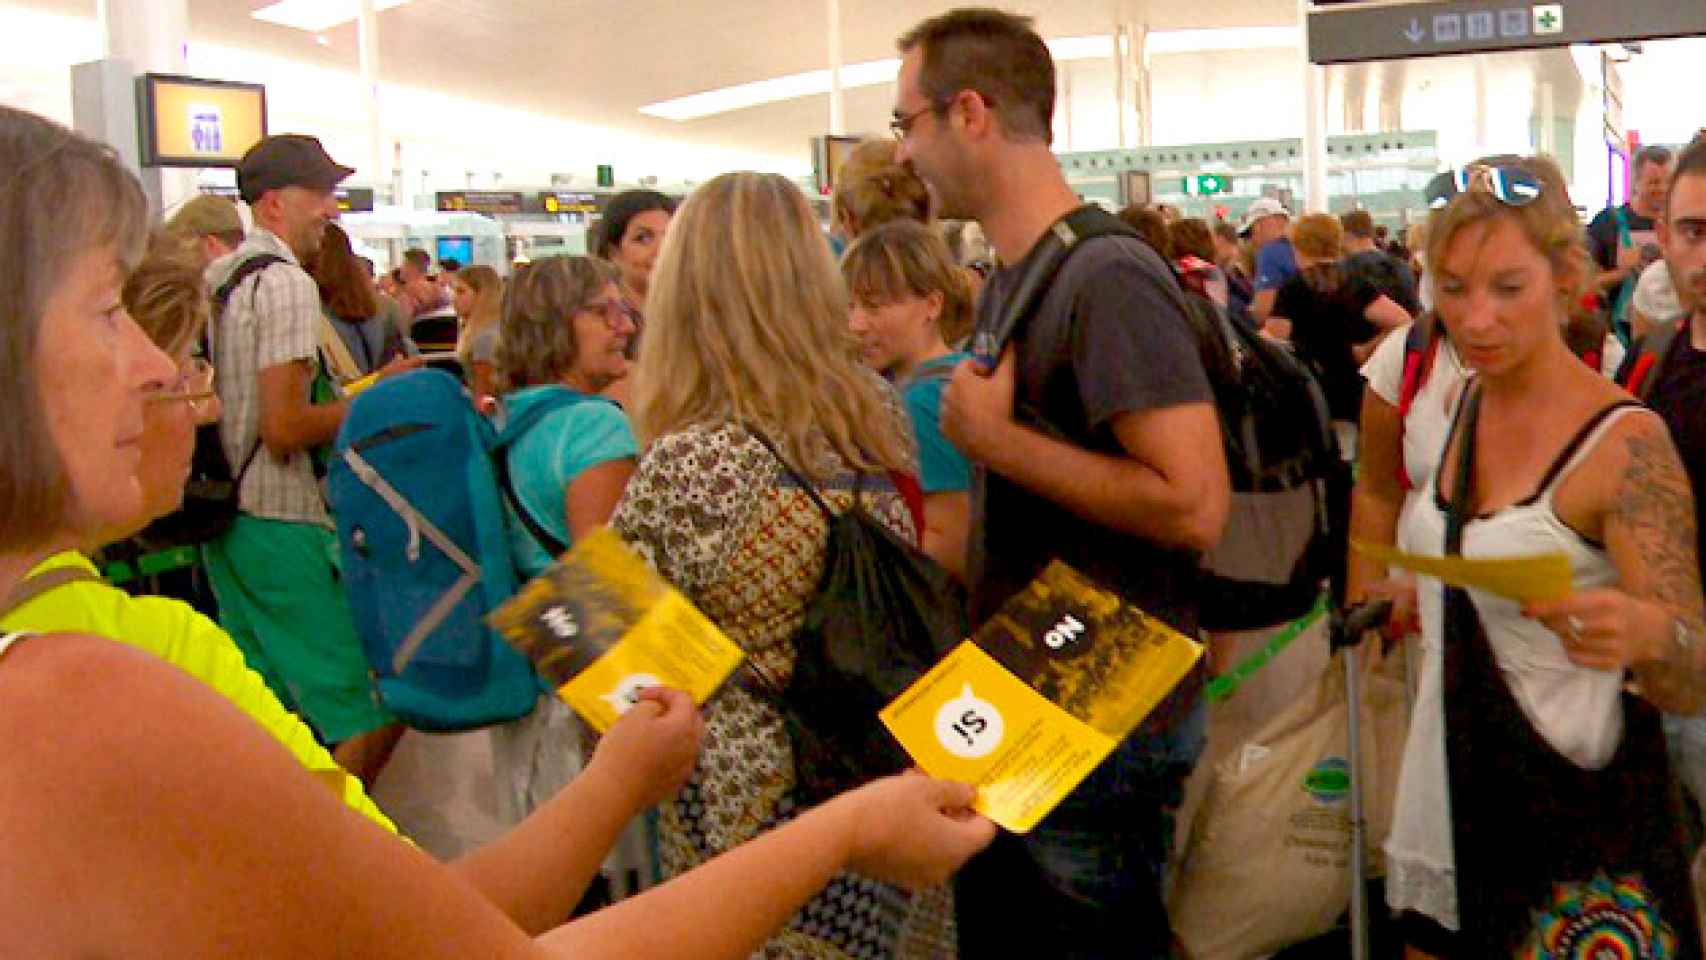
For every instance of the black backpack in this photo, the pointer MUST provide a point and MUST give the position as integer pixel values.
(1282, 456)
(882, 616)
(211, 495)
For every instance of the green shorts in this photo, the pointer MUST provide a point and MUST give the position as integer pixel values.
(282, 600)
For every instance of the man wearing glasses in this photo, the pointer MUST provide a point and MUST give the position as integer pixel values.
(1094, 440)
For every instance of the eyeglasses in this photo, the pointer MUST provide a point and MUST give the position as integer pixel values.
(900, 126)
(193, 386)
(1509, 184)
(614, 312)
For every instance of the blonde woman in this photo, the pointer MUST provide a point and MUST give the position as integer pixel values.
(477, 294)
(872, 189)
(748, 333)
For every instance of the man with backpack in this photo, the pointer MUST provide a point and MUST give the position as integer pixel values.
(273, 570)
(1095, 441)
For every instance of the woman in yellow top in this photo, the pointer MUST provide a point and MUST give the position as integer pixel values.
(166, 296)
(173, 824)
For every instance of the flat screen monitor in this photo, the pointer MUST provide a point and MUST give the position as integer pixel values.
(460, 249)
(191, 122)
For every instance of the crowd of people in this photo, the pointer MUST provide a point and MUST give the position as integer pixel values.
(1510, 384)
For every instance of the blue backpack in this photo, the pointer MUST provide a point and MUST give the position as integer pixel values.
(417, 483)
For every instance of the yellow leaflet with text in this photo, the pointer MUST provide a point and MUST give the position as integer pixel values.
(600, 625)
(970, 720)
(1040, 695)
(1543, 576)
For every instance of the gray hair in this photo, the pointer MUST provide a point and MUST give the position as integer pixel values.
(61, 196)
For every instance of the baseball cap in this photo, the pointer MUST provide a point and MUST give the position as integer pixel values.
(1263, 207)
(287, 160)
(206, 216)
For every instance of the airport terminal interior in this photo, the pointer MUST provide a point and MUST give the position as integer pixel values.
(845, 479)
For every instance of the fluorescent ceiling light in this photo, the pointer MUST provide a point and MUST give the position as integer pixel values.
(875, 72)
(317, 15)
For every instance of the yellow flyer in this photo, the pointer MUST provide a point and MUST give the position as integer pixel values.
(600, 625)
(1543, 576)
(1040, 695)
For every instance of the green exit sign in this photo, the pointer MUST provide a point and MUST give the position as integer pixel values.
(1205, 185)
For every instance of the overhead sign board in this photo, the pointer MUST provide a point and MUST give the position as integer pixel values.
(192, 122)
(479, 201)
(566, 201)
(355, 199)
(1350, 32)
(1206, 185)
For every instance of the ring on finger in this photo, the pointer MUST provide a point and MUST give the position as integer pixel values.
(1576, 627)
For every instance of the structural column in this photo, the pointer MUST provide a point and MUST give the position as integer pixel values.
(1314, 124)
(137, 37)
(837, 100)
(367, 29)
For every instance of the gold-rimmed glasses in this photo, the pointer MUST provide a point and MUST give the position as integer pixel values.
(193, 386)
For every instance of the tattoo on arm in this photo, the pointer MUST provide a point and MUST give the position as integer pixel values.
(1655, 510)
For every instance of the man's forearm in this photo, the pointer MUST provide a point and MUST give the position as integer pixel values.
(309, 426)
(1116, 492)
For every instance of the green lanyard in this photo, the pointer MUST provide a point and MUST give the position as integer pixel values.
(1227, 684)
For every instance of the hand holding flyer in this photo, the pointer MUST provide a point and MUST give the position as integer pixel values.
(601, 625)
(1523, 579)
(1039, 696)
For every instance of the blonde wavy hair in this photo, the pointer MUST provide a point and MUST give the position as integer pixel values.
(747, 323)
(872, 188)
(166, 294)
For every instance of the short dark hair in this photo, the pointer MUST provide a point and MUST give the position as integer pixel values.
(450, 264)
(622, 208)
(1651, 153)
(999, 55)
(1151, 226)
(1359, 224)
(1690, 163)
(1226, 230)
(420, 258)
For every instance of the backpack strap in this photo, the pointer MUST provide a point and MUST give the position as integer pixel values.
(221, 299)
(804, 484)
(30, 588)
(1057, 244)
(517, 427)
(1421, 349)
(1637, 374)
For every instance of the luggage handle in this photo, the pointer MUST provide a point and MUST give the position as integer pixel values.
(1351, 624)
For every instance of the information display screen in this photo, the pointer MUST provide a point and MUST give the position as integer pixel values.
(460, 249)
(191, 122)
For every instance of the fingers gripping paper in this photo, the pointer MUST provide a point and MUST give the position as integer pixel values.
(1541, 577)
(1040, 695)
(601, 625)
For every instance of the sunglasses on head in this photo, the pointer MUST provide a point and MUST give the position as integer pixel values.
(1507, 183)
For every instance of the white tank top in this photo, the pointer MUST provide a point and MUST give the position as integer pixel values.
(1577, 710)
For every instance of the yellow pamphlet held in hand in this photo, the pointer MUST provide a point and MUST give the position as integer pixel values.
(1040, 695)
(601, 625)
(1543, 576)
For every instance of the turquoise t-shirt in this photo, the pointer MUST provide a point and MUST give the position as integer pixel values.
(560, 447)
(941, 466)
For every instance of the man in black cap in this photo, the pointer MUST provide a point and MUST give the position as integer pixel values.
(279, 595)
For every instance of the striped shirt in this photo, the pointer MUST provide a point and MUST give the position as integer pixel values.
(271, 319)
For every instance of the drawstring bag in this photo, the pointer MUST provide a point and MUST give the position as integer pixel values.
(883, 614)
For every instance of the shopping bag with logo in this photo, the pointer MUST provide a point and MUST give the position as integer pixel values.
(1267, 861)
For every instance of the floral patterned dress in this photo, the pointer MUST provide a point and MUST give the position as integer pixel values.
(718, 516)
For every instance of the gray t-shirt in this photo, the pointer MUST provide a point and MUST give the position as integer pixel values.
(1110, 336)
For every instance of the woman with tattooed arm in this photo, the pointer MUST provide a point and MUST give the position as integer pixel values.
(1535, 805)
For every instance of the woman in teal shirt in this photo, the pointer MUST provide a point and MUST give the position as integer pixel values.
(563, 337)
(906, 291)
